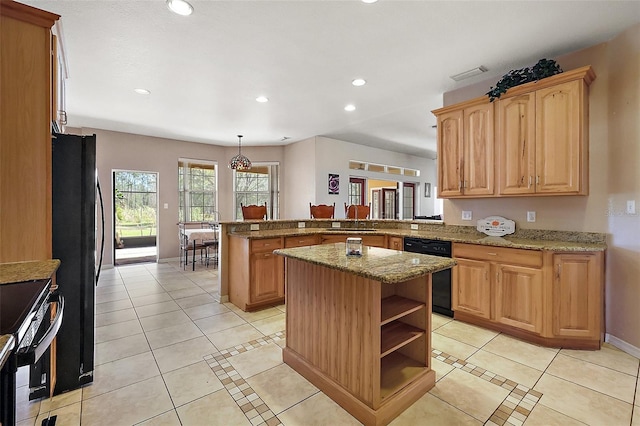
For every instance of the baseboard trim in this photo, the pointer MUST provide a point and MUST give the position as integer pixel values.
(224, 299)
(168, 259)
(622, 345)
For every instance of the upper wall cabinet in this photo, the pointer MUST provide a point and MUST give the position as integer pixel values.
(465, 150)
(25, 126)
(541, 141)
(542, 138)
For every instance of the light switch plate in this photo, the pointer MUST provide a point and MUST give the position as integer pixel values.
(335, 224)
(531, 216)
(166, 205)
(466, 215)
(631, 206)
(414, 226)
(301, 224)
(255, 227)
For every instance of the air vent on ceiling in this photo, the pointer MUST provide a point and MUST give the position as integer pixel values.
(471, 73)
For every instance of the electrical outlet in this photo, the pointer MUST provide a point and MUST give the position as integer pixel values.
(531, 216)
(466, 215)
(255, 227)
(631, 207)
(301, 224)
(414, 226)
(335, 224)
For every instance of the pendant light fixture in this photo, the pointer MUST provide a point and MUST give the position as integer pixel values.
(240, 162)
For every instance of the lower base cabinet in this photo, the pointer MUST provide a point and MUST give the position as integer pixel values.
(577, 295)
(256, 273)
(550, 298)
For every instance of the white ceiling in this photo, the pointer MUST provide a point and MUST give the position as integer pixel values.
(205, 71)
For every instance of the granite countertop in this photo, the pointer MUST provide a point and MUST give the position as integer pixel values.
(384, 265)
(7, 342)
(17, 272)
(456, 237)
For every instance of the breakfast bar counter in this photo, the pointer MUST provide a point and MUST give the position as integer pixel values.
(359, 327)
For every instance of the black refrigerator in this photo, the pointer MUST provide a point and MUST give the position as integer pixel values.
(74, 181)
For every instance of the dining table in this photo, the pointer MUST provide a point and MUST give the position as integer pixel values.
(193, 235)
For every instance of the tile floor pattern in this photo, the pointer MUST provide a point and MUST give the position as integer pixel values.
(167, 353)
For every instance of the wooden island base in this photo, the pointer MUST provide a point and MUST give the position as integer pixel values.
(364, 342)
(388, 411)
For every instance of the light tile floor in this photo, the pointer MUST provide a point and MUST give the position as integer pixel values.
(168, 354)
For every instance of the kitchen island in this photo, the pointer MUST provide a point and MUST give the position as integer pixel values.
(359, 327)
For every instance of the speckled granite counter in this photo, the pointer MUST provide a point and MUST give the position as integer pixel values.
(387, 266)
(524, 239)
(17, 272)
(6, 346)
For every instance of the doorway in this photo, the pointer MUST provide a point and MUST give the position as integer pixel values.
(135, 216)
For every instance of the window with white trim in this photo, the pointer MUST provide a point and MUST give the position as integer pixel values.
(197, 190)
(257, 186)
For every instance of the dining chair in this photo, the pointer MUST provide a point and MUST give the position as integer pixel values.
(357, 211)
(322, 211)
(254, 212)
(213, 244)
(186, 247)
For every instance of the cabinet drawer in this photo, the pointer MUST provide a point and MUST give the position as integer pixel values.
(532, 258)
(267, 244)
(301, 241)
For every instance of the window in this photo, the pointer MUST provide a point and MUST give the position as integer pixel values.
(356, 191)
(197, 192)
(258, 185)
(382, 168)
(408, 200)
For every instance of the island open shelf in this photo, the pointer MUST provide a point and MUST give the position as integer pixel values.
(360, 328)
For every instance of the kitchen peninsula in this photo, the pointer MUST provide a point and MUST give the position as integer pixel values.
(543, 286)
(359, 327)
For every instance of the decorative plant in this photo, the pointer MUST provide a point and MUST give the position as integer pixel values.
(543, 69)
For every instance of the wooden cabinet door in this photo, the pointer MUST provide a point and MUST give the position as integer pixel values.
(518, 297)
(396, 243)
(478, 170)
(450, 154)
(266, 277)
(471, 288)
(559, 138)
(577, 295)
(515, 141)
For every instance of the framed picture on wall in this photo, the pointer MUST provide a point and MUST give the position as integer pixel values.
(334, 184)
(427, 190)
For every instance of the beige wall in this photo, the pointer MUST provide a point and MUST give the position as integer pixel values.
(300, 158)
(134, 152)
(614, 149)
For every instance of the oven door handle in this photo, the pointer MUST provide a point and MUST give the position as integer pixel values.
(31, 355)
(51, 333)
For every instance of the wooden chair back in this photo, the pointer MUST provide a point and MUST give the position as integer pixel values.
(362, 211)
(322, 211)
(253, 212)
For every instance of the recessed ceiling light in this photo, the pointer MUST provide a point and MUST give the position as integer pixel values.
(262, 99)
(142, 91)
(359, 82)
(369, 1)
(350, 107)
(181, 7)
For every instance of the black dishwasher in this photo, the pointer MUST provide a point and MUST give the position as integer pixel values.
(441, 281)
